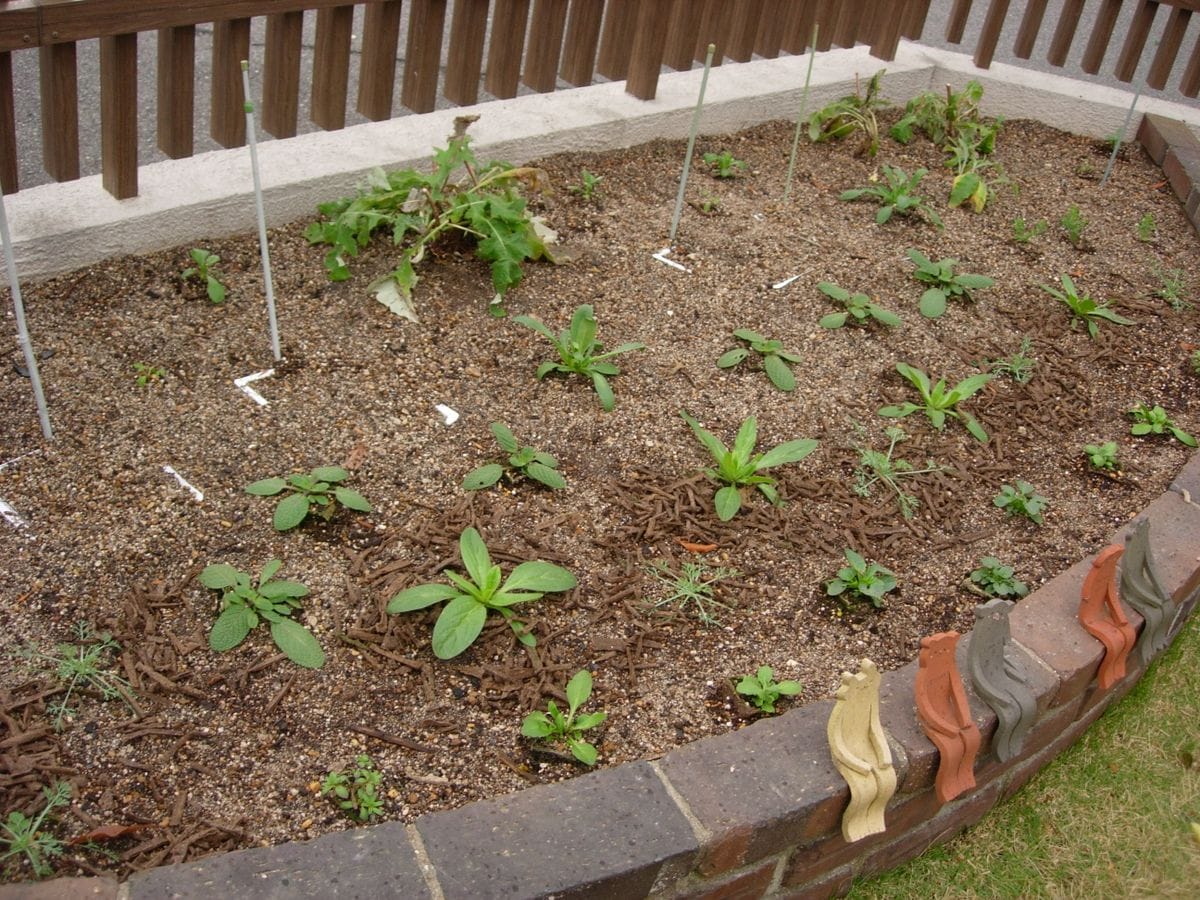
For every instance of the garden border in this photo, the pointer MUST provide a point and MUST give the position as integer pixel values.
(757, 811)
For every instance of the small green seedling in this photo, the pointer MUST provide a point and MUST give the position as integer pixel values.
(776, 361)
(319, 491)
(205, 269)
(866, 581)
(472, 597)
(764, 691)
(1147, 229)
(1102, 457)
(875, 466)
(580, 352)
(937, 402)
(1073, 224)
(355, 789)
(943, 283)
(1172, 288)
(724, 164)
(79, 666)
(1194, 359)
(898, 196)
(1024, 234)
(568, 729)
(146, 375)
(997, 580)
(533, 464)
(589, 186)
(1022, 499)
(708, 205)
(1018, 366)
(23, 836)
(1084, 307)
(1154, 420)
(245, 604)
(694, 586)
(860, 308)
(741, 467)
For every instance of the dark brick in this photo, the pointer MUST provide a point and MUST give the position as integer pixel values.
(758, 790)
(832, 884)
(898, 712)
(743, 886)
(1048, 727)
(364, 862)
(62, 889)
(1174, 530)
(606, 834)
(1188, 478)
(1182, 168)
(1047, 624)
(1026, 768)
(1155, 133)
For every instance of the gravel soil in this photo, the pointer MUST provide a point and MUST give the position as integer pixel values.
(219, 751)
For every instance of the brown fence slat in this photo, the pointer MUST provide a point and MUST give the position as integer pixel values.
(18, 25)
(426, 21)
(616, 39)
(825, 18)
(1168, 47)
(1101, 34)
(544, 46)
(797, 27)
(331, 66)
(176, 84)
(845, 27)
(914, 18)
(60, 111)
(646, 56)
(281, 74)
(1031, 24)
(1135, 40)
(8, 127)
(714, 29)
(505, 49)
(377, 70)
(957, 23)
(887, 34)
(231, 44)
(682, 34)
(468, 27)
(1064, 32)
(989, 35)
(768, 38)
(118, 115)
(1189, 84)
(743, 27)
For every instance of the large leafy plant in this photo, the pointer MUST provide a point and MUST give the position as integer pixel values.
(852, 113)
(482, 203)
(481, 590)
(247, 602)
(739, 466)
(937, 402)
(579, 352)
(939, 117)
(319, 491)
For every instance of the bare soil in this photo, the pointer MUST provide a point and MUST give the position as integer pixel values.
(226, 750)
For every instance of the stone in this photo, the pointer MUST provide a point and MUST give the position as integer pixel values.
(946, 716)
(861, 753)
(1102, 617)
(1142, 589)
(1000, 679)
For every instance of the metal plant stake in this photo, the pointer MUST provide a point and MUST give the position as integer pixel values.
(262, 217)
(687, 160)
(22, 332)
(812, 54)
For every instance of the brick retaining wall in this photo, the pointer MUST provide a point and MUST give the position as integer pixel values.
(753, 813)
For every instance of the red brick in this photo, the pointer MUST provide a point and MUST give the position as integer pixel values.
(743, 886)
(757, 790)
(1048, 727)
(1154, 133)
(1026, 768)
(1182, 168)
(832, 884)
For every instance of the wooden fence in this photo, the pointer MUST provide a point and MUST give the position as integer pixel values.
(538, 43)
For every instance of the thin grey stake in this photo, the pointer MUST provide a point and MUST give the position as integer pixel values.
(22, 332)
(262, 217)
(1112, 157)
(687, 160)
(812, 54)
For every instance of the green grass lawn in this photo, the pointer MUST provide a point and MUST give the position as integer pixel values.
(1109, 818)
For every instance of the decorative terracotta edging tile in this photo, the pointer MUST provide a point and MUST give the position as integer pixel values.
(757, 812)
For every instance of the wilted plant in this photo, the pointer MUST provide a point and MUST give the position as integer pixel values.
(939, 117)
(855, 112)
(944, 283)
(860, 308)
(527, 461)
(553, 725)
(740, 466)
(319, 491)
(937, 402)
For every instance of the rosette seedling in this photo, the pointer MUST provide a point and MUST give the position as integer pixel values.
(246, 603)
(534, 464)
(867, 581)
(764, 691)
(776, 361)
(555, 726)
(944, 284)
(937, 402)
(860, 308)
(1083, 307)
(739, 466)
(1154, 420)
(319, 491)
(483, 589)
(898, 195)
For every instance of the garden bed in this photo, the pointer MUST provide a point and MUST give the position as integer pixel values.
(227, 748)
